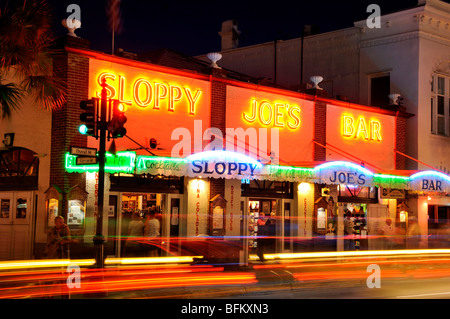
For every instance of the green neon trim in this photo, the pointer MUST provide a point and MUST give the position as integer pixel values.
(391, 181)
(122, 162)
(125, 162)
(382, 176)
(290, 168)
(160, 158)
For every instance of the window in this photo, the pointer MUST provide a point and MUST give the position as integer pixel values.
(18, 169)
(267, 189)
(440, 106)
(380, 88)
(357, 194)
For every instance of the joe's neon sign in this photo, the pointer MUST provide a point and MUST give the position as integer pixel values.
(279, 115)
(146, 93)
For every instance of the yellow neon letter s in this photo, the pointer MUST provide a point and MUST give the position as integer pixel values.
(295, 117)
(111, 91)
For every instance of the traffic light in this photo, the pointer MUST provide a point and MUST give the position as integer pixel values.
(153, 143)
(88, 117)
(116, 125)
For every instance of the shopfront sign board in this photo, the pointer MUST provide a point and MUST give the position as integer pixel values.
(430, 181)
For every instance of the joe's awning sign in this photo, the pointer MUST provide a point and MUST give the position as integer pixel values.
(340, 172)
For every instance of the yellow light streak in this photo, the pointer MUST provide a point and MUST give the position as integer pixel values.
(360, 253)
(151, 260)
(44, 263)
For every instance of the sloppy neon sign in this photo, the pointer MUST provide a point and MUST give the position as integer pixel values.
(360, 128)
(146, 93)
(279, 115)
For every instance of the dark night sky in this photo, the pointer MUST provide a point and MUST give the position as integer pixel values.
(192, 27)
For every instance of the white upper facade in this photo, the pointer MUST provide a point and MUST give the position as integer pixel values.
(409, 54)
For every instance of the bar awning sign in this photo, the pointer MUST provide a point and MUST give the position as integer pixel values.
(430, 181)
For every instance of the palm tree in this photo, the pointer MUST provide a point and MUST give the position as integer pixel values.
(26, 55)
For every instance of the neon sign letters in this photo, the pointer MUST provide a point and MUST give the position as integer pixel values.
(340, 172)
(430, 181)
(360, 128)
(221, 168)
(222, 164)
(279, 115)
(146, 93)
(231, 165)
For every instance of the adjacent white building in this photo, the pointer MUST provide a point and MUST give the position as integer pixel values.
(408, 55)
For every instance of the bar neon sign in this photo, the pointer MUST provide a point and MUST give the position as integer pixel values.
(360, 128)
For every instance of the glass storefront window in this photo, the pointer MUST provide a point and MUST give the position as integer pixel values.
(357, 191)
(5, 205)
(52, 211)
(21, 208)
(76, 213)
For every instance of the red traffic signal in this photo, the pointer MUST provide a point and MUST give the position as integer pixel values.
(116, 125)
(153, 143)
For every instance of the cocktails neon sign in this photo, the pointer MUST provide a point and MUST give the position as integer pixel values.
(146, 93)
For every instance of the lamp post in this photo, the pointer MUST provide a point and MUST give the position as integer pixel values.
(102, 127)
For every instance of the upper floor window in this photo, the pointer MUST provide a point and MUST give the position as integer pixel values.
(440, 106)
(380, 88)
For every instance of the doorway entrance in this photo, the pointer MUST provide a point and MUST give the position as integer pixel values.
(278, 211)
(16, 210)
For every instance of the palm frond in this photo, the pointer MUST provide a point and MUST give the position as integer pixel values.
(46, 90)
(10, 96)
(26, 48)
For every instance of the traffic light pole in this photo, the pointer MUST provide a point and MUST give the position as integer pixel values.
(101, 127)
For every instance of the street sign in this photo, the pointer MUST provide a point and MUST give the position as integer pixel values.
(86, 160)
(83, 151)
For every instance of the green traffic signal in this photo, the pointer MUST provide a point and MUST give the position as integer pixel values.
(88, 117)
(87, 129)
(83, 129)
